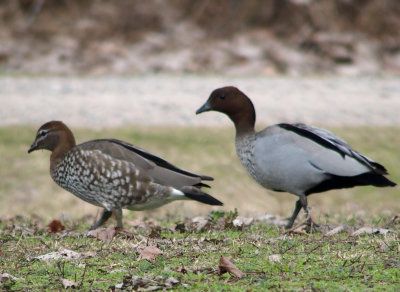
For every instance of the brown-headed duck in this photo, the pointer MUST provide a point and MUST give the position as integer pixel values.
(116, 175)
(293, 158)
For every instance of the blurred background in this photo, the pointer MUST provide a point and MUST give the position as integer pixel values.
(222, 36)
(138, 70)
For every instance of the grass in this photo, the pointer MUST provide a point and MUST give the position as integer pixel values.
(311, 262)
(26, 187)
(270, 259)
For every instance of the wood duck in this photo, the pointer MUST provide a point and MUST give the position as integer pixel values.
(116, 175)
(294, 158)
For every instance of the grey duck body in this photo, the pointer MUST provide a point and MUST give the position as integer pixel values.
(294, 164)
(294, 158)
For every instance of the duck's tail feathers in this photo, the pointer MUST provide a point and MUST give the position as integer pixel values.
(197, 195)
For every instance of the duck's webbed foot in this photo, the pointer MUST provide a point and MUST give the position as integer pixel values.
(104, 217)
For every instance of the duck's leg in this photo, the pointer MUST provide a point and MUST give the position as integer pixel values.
(104, 217)
(118, 217)
(294, 215)
(310, 222)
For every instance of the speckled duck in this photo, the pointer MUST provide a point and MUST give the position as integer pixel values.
(116, 175)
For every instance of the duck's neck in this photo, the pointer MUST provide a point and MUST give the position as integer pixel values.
(244, 125)
(245, 142)
(66, 143)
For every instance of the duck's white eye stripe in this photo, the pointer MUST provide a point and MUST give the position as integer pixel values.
(42, 132)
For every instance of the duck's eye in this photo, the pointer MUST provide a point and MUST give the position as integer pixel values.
(42, 133)
(222, 96)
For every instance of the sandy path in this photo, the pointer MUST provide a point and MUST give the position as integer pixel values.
(160, 99)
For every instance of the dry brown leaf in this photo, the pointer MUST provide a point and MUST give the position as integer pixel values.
(125, 232)
(180, 227)
(298, 230)
(226, 265)
(4, 277)
(370, 230)
(89, 254)
(335, 231)
(274, 257)
(241, 222)
(55, 226)
(200, 223)
(150, 253)
(155, 232)
(105, 234)
(194, 270)
(62, 253)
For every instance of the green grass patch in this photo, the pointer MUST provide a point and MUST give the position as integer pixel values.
(26, 187)
(270, 258)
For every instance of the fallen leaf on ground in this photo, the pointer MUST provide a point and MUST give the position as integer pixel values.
(146, 284)
(125, 232)
(194, 270)
(180, 227)
(62, 253)
(69, 284)
(274, 257)
(155, 232)
(171, 281)
(55, 226)
(4, 277)
(242, 221)
(335, 231)
(88, 254)
(105, 234)
(370, 230)
(150, 253)
(200, 223)
(141, 282)
(226, 265)
(298, 230)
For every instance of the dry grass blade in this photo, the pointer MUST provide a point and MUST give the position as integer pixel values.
(394, 220)
(226, 265)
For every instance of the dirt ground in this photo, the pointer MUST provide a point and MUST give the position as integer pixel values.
(173, 100)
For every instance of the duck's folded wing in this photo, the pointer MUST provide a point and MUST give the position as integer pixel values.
(159, 169)
(330, 141)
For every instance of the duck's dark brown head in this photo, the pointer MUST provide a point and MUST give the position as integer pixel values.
(235, 104)
(53, 135)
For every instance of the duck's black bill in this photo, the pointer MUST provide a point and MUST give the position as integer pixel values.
(33, 147)
(204, 108)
